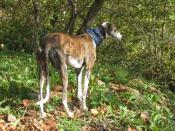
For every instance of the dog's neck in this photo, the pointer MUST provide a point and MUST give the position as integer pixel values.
(98, 34)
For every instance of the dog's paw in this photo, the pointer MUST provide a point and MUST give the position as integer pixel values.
(84, 108)
(71, 114)
(42, 115)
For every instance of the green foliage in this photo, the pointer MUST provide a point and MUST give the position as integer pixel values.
(121, 75)
(144, 58)
(147, 45)
(69, 125)
(14, 71)
(19, 81)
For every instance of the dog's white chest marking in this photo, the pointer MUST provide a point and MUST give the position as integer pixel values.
(75, 62)
(94, 43)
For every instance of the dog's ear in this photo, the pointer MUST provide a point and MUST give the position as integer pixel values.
(108, 26)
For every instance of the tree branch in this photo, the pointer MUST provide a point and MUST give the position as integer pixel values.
(93, 10)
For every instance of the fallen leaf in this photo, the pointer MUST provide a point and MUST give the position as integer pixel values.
(103, 109)
(126, 101)
(49, 125)
(154, 89)
(131, 129)
(100, 83)
(89, 128)
(11, 118)
(136, 92)
(85, 128)
(56, 91)
(94, 112)
(2, 116)
(145, 116)
(27, 102)
(118, 88)
(2, 125)
(57, 88)
(78, 112)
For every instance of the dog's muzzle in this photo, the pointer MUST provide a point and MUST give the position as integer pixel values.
(117, 35)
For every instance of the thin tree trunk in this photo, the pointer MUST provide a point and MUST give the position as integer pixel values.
(69, 28)
(93, 10)
(36, 28)
(70, 25)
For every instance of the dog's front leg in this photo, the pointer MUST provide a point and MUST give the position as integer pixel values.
(86, 83)
(64, 77)
(79, 83)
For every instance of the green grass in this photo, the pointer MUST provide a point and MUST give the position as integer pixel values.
(19, 80)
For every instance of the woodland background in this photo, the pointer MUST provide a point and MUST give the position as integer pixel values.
(143, 60)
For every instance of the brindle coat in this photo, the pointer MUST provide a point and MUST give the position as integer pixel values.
(62, 49)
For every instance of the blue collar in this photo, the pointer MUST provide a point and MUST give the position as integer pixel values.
(95, 35)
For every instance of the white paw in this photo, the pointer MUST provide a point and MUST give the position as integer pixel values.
(85, 108)
(71, 114)
(42, 115)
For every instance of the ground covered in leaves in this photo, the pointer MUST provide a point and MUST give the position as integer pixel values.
(137, 104)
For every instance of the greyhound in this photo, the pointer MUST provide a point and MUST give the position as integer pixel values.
(78, 51)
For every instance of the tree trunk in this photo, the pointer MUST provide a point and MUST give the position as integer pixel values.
(93, 10)
(36, 27)
(70, 25)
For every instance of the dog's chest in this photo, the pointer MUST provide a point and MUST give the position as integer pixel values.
(76, 63)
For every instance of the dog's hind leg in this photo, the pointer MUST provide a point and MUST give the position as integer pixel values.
(44, 75)
(42, 79)
(86, 82)
(64, 78)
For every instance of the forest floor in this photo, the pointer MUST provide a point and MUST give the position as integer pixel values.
(136, 104)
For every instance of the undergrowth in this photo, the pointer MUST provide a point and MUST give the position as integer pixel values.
(115, 110)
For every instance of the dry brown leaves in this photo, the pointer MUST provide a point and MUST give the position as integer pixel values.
(123, 88)
(94, 112)
(100, 83)
(100, 126)
(57, 88)
(118, 87)
(30, 121)
(131, 129)
(6, 123)
(99, 111)
(27, 102)
(49, 125)
(145, 116)
(154, 89)
(88, 128)
(56, 91)
(2, 116)
(11, 118)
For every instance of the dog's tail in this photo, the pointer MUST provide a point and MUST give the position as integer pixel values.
(42, 56)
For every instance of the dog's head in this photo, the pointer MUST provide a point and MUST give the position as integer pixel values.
(111, 30)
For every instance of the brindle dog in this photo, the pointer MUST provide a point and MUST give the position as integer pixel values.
(79, 51)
